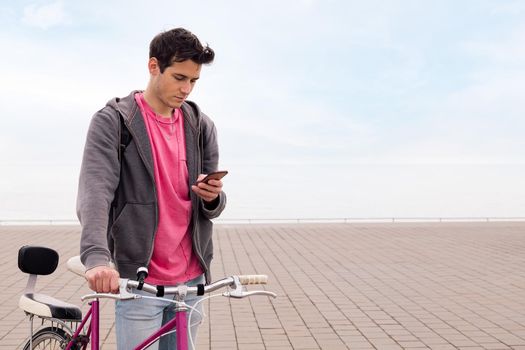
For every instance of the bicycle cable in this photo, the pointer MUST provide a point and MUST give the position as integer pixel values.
(177, 303)
(189, 316)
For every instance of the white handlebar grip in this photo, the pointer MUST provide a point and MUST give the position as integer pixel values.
(253, 279)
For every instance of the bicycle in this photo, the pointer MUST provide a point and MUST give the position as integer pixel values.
(75, 332)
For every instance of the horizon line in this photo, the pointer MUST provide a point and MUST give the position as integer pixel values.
(75, 222)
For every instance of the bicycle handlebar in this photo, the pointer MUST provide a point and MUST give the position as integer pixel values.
(182, 291)
(236, 282)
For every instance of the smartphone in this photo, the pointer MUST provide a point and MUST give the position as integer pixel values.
(216, 175)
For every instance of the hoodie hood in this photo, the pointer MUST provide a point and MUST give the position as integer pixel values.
(128, 109)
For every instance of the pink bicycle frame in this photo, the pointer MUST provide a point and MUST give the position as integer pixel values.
(179, 322)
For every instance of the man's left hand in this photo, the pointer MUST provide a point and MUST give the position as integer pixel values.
(207, 191)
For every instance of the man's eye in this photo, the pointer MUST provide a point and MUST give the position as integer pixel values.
(179, 78)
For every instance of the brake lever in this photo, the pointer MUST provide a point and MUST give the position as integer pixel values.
(109, 296)
(124, 294)
(242, 294)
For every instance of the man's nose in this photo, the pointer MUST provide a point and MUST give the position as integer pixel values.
(186, 87)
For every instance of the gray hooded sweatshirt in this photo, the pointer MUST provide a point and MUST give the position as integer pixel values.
(117, 199)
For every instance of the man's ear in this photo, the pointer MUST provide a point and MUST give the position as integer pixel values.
(153, 66)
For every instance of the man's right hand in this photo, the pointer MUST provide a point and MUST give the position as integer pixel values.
(103, 279)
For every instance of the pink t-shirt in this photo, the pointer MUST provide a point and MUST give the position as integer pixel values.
(173, 259)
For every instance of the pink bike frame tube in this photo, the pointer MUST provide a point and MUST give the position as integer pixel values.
(94, 325)
(93, 312)
(182, 330)
(180, 321)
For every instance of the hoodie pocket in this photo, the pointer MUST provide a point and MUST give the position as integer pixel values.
(133, 233)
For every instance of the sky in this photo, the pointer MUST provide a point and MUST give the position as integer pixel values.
(325, 109)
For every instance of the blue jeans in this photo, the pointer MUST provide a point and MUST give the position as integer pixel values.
(137, 319)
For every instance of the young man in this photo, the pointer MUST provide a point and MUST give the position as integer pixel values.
(138, 201)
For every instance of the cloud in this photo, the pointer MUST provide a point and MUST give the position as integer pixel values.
(509, 50)
(45, 16)
(510, 7)
(479, 123)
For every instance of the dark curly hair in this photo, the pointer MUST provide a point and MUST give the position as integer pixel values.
(178, 45)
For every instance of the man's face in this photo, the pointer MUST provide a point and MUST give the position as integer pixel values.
(174, 85)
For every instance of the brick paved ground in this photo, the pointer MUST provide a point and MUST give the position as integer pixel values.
(340, 286)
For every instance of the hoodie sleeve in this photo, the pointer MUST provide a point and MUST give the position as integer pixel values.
(210, 162)
(99, 178)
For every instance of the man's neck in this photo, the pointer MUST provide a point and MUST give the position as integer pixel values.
(158, 107)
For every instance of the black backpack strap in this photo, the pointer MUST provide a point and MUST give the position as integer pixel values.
(125, 137)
